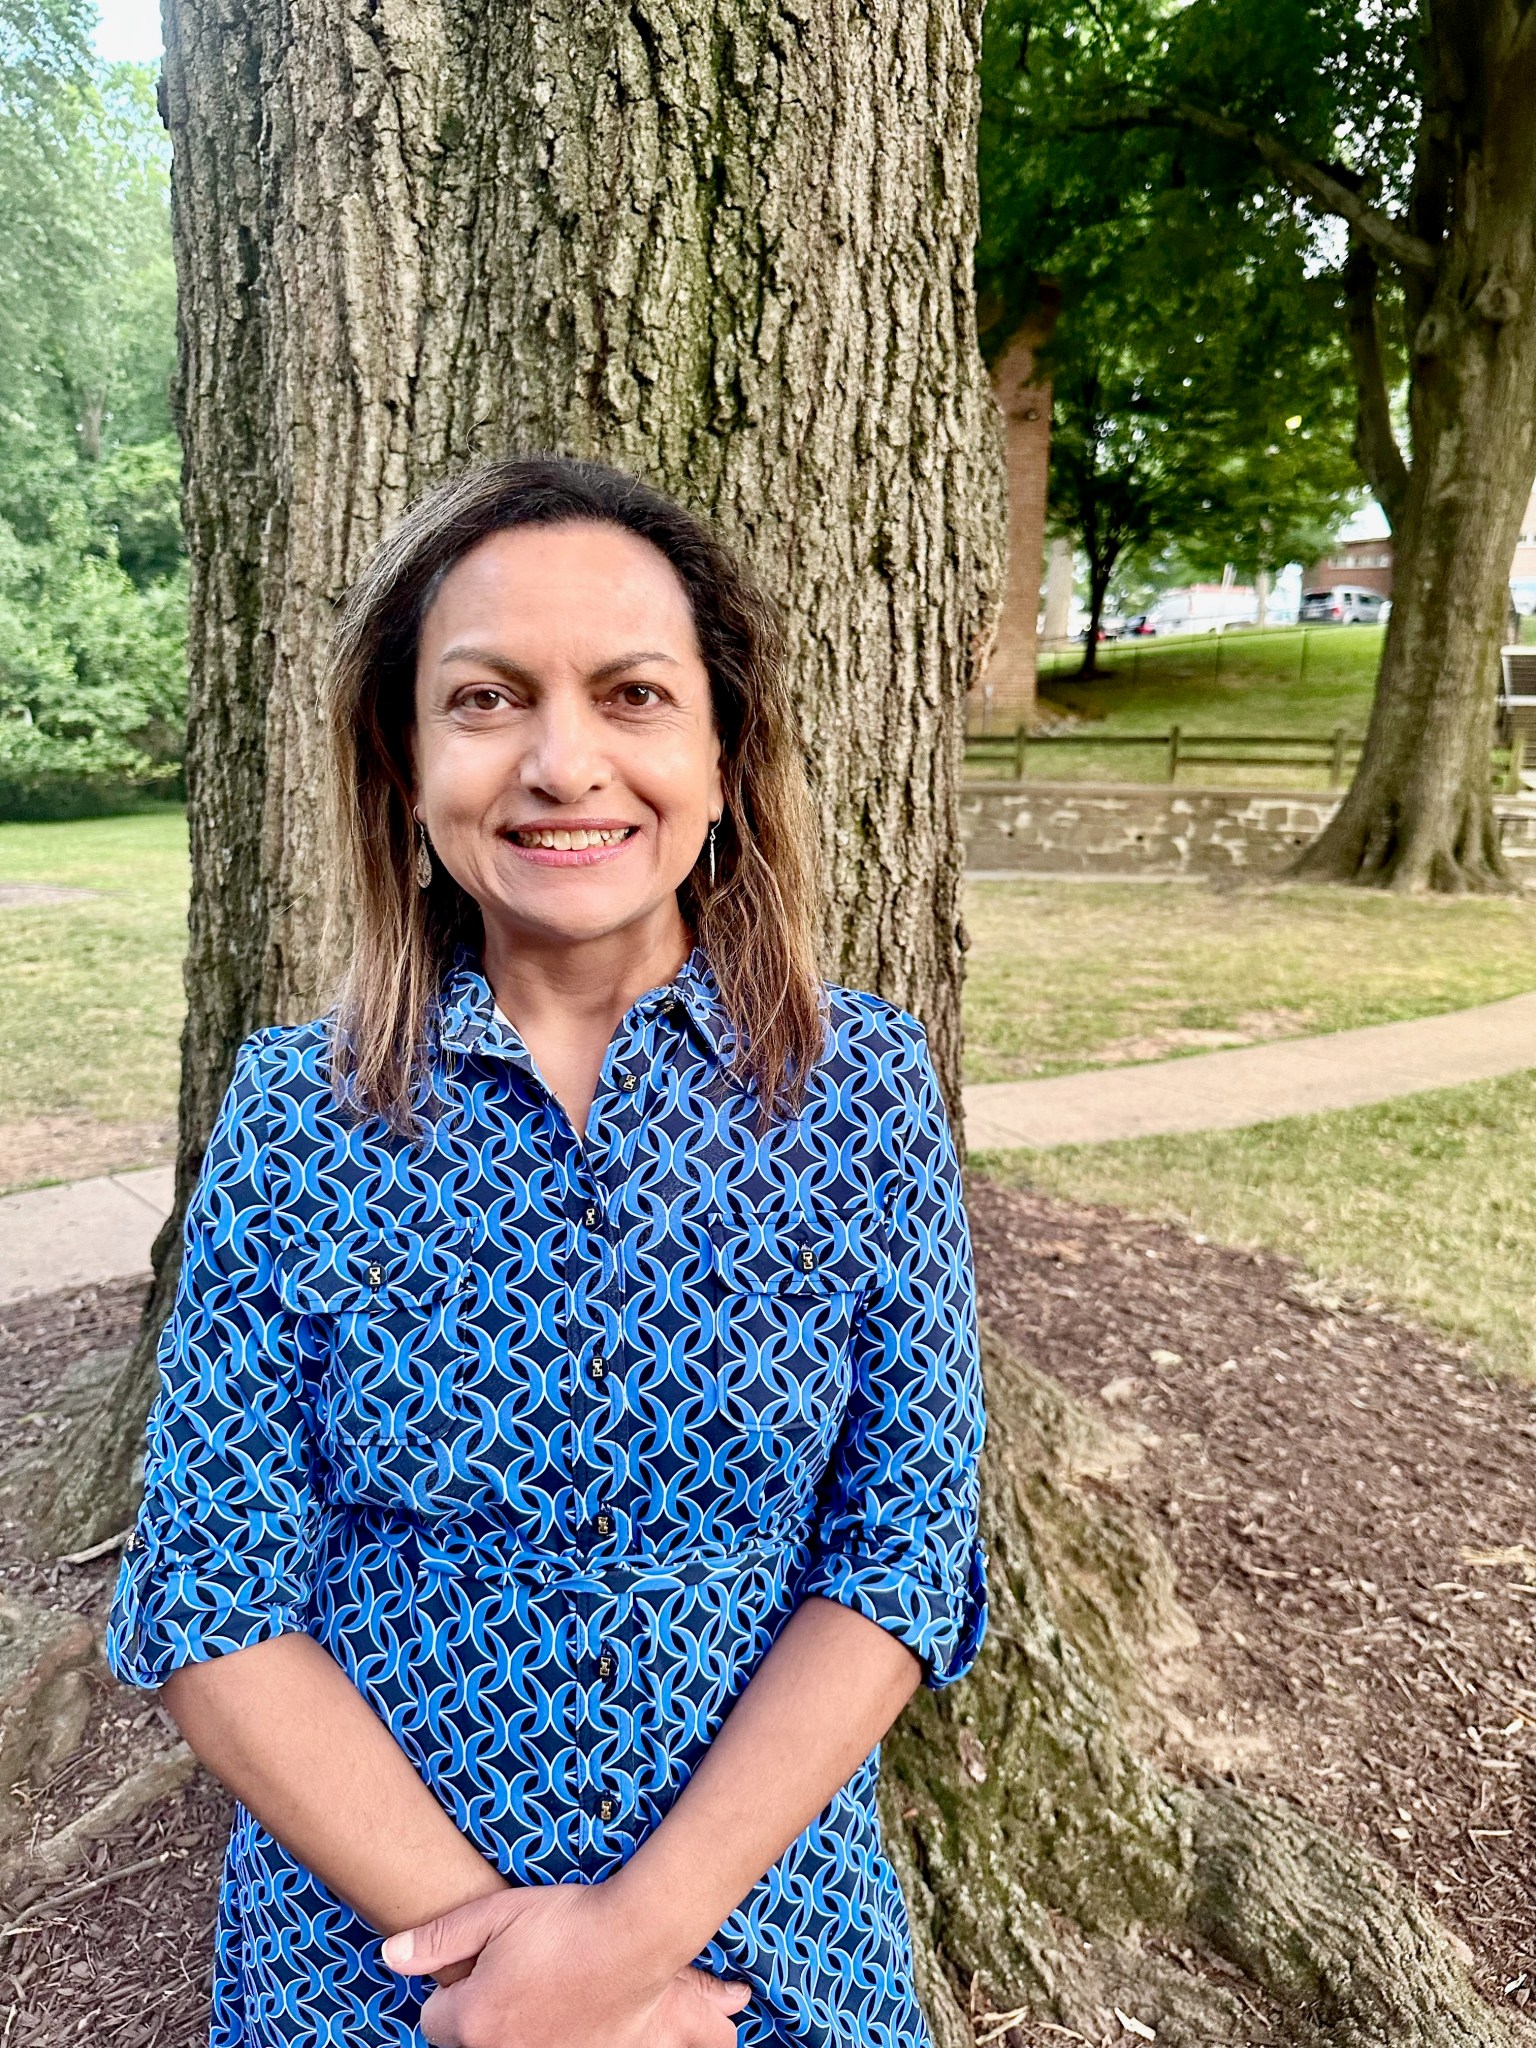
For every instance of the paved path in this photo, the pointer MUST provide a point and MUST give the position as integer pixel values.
(1253, 1084)
(102, 1229)
(81, 1231)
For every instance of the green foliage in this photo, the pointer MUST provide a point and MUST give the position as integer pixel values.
(92, 567)
(1202, 397)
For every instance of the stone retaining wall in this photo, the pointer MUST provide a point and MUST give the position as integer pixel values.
(1122, 828)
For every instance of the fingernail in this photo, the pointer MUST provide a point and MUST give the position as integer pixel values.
(398, 1949)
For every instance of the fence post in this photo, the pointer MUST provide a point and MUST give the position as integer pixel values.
(1336, 765)
(1020, 742)
(1173, 752)
(1512, 783)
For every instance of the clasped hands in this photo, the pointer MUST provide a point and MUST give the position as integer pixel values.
(559, 1966)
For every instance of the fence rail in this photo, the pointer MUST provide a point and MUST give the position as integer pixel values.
(1334, 752)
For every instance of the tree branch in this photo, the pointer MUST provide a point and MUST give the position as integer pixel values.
(1375, 445)
(1327, 187)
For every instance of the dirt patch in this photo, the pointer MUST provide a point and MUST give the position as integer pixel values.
(1349, 1504)
(38, 1149)
(1348, 1501)
(23, 895)
(1253, 1027)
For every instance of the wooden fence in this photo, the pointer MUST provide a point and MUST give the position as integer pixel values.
(1335, 753)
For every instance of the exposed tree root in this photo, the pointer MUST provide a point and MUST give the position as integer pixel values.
(1381, 845)
(1053, 1866)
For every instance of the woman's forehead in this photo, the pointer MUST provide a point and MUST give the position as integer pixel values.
(582, 587)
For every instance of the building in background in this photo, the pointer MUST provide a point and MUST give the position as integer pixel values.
(1365, 563)
(1368, 563)
(1005, 695)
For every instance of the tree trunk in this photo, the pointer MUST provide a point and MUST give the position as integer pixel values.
(1419, 814)
(725, 245)
(1099, 574)
(1060, 569)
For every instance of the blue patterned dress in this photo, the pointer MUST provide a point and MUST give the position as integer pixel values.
(544, 1438)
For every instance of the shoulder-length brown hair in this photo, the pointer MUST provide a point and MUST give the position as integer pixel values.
(756, 923)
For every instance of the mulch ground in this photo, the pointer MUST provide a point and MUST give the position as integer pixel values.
(1348, 1500)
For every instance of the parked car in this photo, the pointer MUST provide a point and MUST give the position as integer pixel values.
(1141, 625)
(1345, 604)
(1204, 608)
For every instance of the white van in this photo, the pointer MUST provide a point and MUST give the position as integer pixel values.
(1346, 604)
(1204, 608)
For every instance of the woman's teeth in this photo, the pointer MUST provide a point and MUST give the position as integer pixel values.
(571, 842)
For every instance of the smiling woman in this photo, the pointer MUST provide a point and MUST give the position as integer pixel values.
(551, 647)
(565, 1463)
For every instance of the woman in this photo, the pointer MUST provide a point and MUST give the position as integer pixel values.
(565, 1461)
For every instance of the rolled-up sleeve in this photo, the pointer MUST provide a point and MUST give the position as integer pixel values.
(221, 1553)
(897, 1534)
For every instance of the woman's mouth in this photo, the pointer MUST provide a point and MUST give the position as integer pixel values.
(569, 845)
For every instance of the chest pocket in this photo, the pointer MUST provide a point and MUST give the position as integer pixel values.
(380, 1318)
(788, 1280)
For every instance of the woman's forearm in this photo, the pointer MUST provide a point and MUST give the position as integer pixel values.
(282, 1725)
(821, 1699)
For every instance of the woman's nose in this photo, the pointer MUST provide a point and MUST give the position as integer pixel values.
(565, 757)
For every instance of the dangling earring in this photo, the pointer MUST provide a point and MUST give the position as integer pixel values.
(714, 828)
(423, 858)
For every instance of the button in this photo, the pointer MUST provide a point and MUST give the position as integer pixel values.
(626, 1081)
(603, 1522)
(375, 1274)
(605, 1665)
(591, 1215)
(599, 1366)
(607, 1806)
(807, 1259)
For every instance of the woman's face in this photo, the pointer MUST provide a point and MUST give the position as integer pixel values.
(566, 762)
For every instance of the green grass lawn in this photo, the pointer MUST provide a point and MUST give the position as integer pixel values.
(92, 998)
(1065, 975)
(1210, 683)
(1428, 1203)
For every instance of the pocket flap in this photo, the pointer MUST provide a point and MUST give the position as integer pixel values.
(360, 1270)
(789, 1248)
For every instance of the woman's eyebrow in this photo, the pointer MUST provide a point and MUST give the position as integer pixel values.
(612, 668)
(487, 657)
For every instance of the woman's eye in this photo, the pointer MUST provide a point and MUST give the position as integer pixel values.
(484, 697)
(639, 693)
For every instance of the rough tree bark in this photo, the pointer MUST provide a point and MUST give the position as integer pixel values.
(728, 244)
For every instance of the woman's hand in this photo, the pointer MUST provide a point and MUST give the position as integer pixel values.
(555, 1966)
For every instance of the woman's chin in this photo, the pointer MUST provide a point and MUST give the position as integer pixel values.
(576, 916)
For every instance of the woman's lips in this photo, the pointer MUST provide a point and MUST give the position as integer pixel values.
(571, 846)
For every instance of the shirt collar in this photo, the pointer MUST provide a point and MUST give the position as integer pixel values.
(469, 1021)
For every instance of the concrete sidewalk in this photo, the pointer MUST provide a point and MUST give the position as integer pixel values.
(1254, 1084)
(82, 1231)
(91, 1230)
